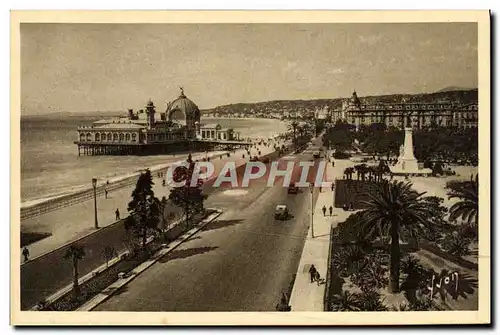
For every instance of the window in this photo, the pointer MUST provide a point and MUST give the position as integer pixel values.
(103, 137)
(115, 137)
(134, 137)
(127, 136)
(109, 136)
(97, 137)
(122, 137)
(89, 137)
(82, 137)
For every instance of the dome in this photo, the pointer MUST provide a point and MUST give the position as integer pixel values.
(183, 109)
(354, 99)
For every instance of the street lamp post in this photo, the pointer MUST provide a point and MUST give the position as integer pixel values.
(312, 209)
(94, 184)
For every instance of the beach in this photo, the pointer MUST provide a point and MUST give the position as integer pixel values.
(51, 167)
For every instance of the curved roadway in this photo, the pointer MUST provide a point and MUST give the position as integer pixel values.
(243, 261)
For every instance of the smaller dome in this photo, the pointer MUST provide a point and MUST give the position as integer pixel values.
(354, 98)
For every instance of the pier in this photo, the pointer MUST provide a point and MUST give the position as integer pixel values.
(86, 148)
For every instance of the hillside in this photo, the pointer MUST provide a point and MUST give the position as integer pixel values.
(455, 88)
(281, 106)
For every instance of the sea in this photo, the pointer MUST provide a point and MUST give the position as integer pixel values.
(50, 164)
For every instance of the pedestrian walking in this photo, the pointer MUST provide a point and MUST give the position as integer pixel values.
(117, 214)
(324, 210)
(320, 189)
(26, 254)
(332, 186)
(312, 273)
(105, 193)
(330, 209)
(163, 183)
(333, 163)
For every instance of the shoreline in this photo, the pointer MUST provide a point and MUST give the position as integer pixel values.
(116, 182)
(102, 181)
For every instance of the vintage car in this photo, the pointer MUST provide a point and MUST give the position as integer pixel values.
(317, 154)
(293, 189)
(281, 212)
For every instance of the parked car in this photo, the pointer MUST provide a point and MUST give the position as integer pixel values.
(281, 212)
(293, 189)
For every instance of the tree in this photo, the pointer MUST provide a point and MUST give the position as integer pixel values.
(371, 301)
(345, 302)
(361, 170)
(188, 197)
(294, 127)
(340, 136)
(468, 208)
(109, 253)
(75, 253)
(163, 205)
(395, 207)
(144, 208)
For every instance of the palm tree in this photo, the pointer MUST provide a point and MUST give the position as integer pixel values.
(468, 208)
(370, 301)
(395, 208)
(75, 253)
(350, 172)
(345, 302)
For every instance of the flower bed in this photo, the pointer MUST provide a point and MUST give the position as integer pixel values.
(359, 273)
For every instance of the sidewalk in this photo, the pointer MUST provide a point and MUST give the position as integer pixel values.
(71, 223)
(307, 296)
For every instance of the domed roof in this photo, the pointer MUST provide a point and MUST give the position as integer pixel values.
(184, 105)
(354, 98)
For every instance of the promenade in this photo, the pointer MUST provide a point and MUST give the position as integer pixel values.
(46, 271)
(307, 296)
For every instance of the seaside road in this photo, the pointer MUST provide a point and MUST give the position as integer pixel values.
(243, 261)
(44, 276)
(71, 223)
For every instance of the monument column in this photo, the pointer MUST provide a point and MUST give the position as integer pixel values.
(408, 144)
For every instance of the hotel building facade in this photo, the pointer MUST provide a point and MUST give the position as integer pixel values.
(404, 114)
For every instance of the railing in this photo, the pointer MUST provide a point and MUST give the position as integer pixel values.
(74, 198)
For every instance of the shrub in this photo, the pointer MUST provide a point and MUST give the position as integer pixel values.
(456, 244)
(344, 302)
(341, 155)
(370, 301)
(370, 275)
(422, 303)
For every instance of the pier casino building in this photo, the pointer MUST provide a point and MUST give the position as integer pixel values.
(149, 132)
(404, 114)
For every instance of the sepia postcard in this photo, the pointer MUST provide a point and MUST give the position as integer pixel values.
(250, 168)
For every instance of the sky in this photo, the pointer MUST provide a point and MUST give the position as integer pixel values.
(112, 67)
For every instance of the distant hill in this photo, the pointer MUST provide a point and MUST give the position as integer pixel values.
(452, 94)
(455, 88)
